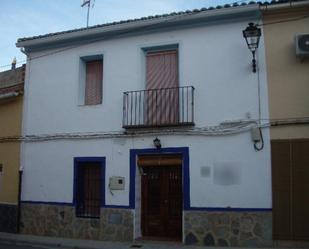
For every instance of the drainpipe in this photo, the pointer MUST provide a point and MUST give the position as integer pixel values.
(8, 95)
(20, 175)
(283, 6)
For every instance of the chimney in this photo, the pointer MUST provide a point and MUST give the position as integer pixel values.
(14, 63)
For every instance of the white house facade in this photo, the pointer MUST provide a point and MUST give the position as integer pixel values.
(96, 101)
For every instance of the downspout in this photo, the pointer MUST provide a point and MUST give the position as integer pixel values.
(20, 176)
(23, 51)
(20, 173)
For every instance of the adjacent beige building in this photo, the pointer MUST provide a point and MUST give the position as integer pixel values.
(288, 75)
(288, 84)
(11, 102)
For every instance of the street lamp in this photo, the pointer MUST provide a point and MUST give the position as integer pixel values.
(157, 143)
(252, 35)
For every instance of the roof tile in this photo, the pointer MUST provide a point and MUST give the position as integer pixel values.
(233, 5)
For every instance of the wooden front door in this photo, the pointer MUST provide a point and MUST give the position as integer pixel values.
(290, 177)
(162, 201)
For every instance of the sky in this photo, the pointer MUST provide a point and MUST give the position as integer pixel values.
(26, 18)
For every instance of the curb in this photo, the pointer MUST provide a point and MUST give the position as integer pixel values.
(56, 242)
(67, 243)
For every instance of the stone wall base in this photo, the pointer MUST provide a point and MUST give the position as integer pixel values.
(208, 228)
(225, 228)
(60, 221)
(8, 218)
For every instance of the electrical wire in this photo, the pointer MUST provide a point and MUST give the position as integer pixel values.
(261, 142)
(286, 119)
(220, 130)
(224, 129)
(17, 63)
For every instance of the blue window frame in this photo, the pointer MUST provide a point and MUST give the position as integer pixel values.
(89, 186)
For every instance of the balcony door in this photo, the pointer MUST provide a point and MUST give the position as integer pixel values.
(162, 92)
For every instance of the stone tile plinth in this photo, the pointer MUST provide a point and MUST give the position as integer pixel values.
(60, 221)
(213, 228)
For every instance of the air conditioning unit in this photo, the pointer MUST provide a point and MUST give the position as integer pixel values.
(302, 45)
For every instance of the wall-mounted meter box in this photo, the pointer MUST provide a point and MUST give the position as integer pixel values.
(255, 134)
(116, 183)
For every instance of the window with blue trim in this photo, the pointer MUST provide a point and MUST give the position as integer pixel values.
(88, 188)
(91, 80)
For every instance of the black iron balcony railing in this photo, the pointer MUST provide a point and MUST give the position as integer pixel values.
(159, 107)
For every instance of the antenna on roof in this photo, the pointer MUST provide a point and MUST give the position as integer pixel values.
(87, 3)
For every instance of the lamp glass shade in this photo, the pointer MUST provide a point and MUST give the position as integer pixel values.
(157, 143)
(252, 35)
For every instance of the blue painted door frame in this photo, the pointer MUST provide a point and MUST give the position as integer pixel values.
(184, 151)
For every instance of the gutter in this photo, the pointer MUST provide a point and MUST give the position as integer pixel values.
(284, 6)
(8, 95)
(132, 26)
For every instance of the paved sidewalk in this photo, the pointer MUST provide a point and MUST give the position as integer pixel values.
(53, 242)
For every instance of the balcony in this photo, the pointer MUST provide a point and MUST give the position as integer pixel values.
(158, 107)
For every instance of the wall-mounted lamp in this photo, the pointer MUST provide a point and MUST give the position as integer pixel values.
(157, 143)
(252, 35)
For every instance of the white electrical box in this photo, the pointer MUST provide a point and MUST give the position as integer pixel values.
(255, 134)
(116, 183)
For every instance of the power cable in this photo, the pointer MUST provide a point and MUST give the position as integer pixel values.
(224, 129)
(261, 142)
(18, 62)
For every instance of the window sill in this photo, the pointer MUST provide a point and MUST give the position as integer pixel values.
(87, 217)
(85, 106)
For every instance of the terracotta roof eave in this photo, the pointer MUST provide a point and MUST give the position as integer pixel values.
(145, 21)
(133, 24)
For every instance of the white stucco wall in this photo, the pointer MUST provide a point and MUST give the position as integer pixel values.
(48, 174)
(214, 59)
